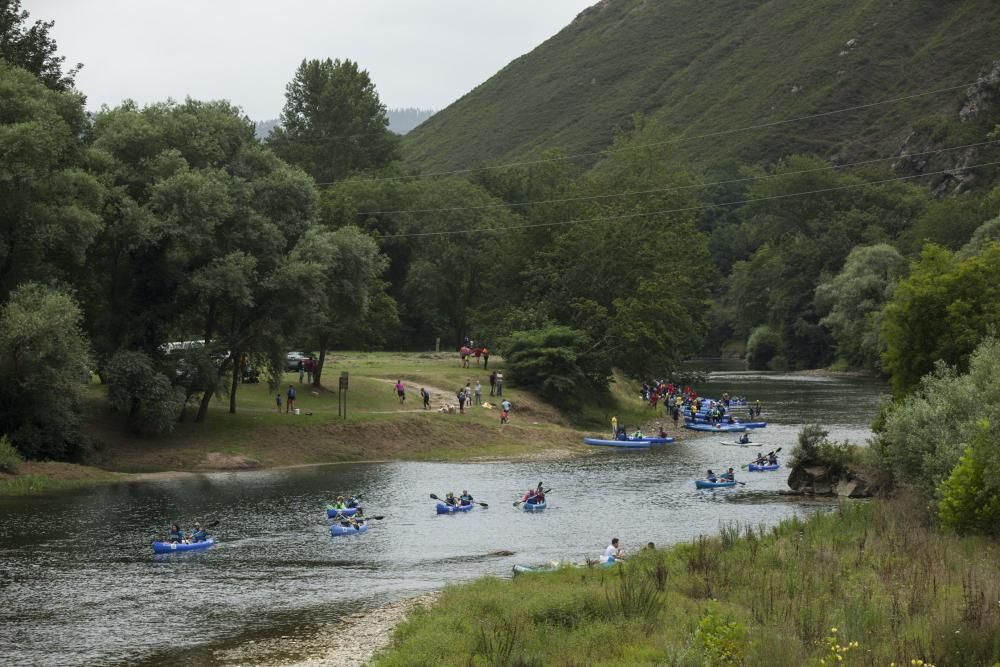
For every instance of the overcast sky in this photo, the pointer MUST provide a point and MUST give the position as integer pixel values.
(420, 53)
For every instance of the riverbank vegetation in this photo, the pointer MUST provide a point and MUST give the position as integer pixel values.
(868, 584)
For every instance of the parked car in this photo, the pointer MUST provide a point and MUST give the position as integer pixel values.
(292, 360)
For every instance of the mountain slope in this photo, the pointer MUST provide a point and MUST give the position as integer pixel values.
(703, 66)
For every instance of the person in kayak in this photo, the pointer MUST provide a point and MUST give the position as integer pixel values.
(351, 502)
(729, 476)
(744, 439)
(355, 521)
(637, 435)
(339, 505)
(663, 433)
(176, 534)
(199, 534)
(465, 499)
(711, 476)
(760, 460)
(772, 458)
(614, 552)
(450, 499)
(534, 496)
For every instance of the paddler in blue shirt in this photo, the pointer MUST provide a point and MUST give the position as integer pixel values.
(465, 499)
(199, 534)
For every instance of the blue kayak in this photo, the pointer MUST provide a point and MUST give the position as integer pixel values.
(660, 441)
(534, 507)
(172, 547)
(628, 444)
(333, 514)
(754, 424)
(756, 468)
(337, 529)
(705, 484)
(451, 509)
(715, 428)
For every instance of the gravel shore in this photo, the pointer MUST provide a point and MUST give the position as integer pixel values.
(350, 642)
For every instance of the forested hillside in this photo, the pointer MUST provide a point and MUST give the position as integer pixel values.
(700, 67)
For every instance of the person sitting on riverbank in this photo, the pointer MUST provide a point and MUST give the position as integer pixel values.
(711, 476)
(176, 534)
(613, 552)
(450, 499)
(465, 499)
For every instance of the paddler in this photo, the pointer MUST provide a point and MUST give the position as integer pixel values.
(465, 499)
(176, 534)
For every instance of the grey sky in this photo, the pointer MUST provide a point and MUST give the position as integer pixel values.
(423, 53)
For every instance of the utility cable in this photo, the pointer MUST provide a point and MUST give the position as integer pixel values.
(676, 140)
(684, 209)
(676, 187)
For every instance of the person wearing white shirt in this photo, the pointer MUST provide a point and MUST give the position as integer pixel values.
(613, 552)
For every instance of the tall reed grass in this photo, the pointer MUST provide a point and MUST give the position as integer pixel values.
(872, 583)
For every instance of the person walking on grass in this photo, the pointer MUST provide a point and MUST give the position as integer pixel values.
(401, 391)
(478, 391)
(486, 358)
(425, 396)
(504, 417)
(290, 403)
(499, 384)
(493, 383)
(277, 399)
(461, 400)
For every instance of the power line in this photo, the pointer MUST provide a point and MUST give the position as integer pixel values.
(677, 140)
(677, 187)
(685, 209)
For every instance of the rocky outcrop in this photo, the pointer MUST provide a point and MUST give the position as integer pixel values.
(820, 480)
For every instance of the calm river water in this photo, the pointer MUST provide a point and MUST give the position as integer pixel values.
(79, 586)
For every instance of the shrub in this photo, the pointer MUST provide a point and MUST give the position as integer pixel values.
(137, 390)
(970, 497)
(558, 362)
(762, 346)
(724, 641)
(9, 457)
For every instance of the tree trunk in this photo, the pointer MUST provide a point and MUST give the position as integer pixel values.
(236, 378)
(318, 368)
(206, 398)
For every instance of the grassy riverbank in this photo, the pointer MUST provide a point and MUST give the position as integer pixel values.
(378, 426)
(869, 583)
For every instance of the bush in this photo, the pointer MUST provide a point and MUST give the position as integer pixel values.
(921, 439)
(970, 497)
(814, 448)
(137, 390)
(9, 458)
(558, 362)
(762, 346)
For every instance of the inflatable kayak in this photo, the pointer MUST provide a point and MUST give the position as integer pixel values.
(451, 509)
(733, 443)
(534, 507)
(171, 547)
(705, 484)
(333, 514)
(715, 428)
(754, 424)
(756, 468)
(337, 529)
(660, 441)
(628, 444)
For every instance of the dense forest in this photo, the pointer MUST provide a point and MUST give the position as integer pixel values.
(139, 226)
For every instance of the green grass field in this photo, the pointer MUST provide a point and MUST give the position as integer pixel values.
(869, 584)
(378, 427)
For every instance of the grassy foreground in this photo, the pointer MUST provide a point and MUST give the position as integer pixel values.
(378, 427)
(868, 584)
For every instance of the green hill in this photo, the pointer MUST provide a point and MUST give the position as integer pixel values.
(701, 66)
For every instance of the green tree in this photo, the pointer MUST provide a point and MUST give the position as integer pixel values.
(48, 202)
(30, 47)
(333, 123)
(137, 389)
(942, 311)
(854, 299)
(44, 361)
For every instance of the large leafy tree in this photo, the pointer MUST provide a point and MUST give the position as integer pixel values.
(44, 362)
(333, 123)
(48, 202)
(941, 312)
(853, 301)
(29, 46)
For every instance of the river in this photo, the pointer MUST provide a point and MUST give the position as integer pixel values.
(79, 585)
